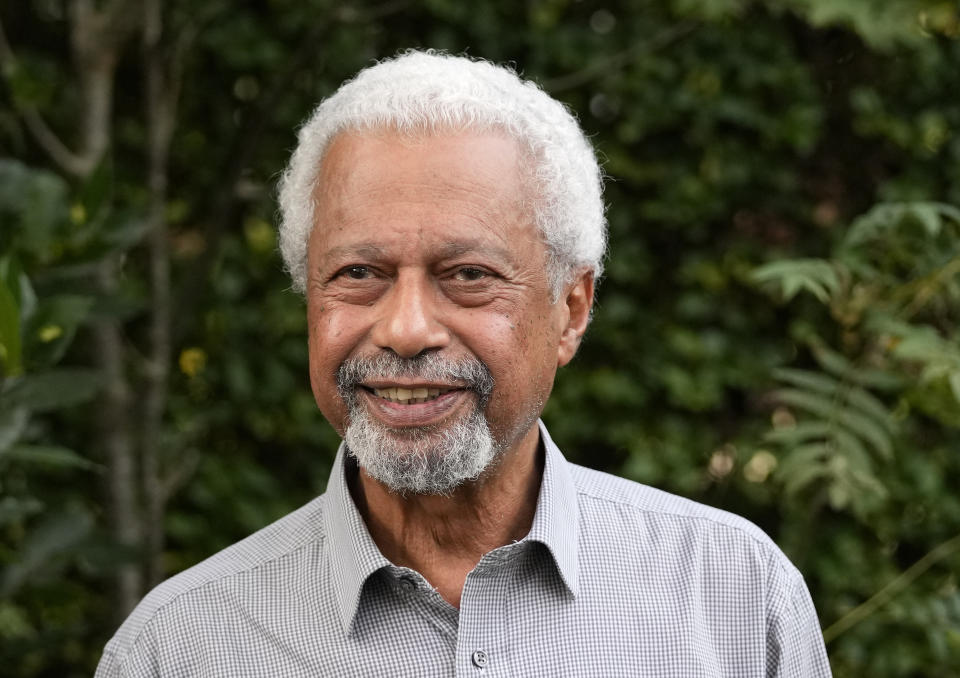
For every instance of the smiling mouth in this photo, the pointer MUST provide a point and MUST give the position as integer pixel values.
(409, 396)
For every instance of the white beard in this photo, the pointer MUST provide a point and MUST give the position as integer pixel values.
(425, 460)
(421, 462)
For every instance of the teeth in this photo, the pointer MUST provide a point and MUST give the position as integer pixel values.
(408, 396)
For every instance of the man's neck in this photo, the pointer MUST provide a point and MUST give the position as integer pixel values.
(444, 537)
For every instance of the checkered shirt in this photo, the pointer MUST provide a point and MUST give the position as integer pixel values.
(614, 579)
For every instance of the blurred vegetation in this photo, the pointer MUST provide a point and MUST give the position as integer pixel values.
(778, 333)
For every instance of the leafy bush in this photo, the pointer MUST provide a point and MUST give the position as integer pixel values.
(47, 516)
(882, 408)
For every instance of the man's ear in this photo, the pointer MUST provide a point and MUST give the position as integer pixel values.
(577, 302)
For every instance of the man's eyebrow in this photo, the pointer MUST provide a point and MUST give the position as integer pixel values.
(455, 249)
(361, 251)
(448, 250)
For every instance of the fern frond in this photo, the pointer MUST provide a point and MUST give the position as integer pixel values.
(855, 422)
(819, 277)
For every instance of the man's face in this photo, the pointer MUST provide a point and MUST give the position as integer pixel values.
(426, 250)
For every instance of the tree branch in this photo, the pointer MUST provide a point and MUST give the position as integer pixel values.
(178, 474)
(349, 14)
(161, 104)
(96, 38)
(921, 291)
(116, 438)
(601, 67)
(45, 137)
(884, 595)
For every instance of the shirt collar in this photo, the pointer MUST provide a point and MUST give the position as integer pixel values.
(354, 555)
(556, 521)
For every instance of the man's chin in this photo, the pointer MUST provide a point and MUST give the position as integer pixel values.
(421, 460)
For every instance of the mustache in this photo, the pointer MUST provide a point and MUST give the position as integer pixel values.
(467, 372)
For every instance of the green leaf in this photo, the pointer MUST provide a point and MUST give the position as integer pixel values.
(954, 381)
(52, 327)
(873, 223)
(97, 190)
(925, 345)
(35, 201)
(15, 622)
(813, 381)
(928, 215)
(10, 358)
(849, 393)
(871, 406)
(817, 276)
(882, 25)
(801, 433)
(809, 402)
(837, 364)
(11, 274)
(13, 422)
(886, 219)
(121, 234)
(48, 455)
(801, 457)
(46, 546)
(951, 212)
(14, 509)
(52, 390)
(852, 448)
(829, 410)
(802, 467)
(839, 495)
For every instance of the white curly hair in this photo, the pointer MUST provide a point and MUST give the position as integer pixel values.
(429, 92)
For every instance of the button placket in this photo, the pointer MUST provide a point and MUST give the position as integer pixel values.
(480, 659)
(482, 646)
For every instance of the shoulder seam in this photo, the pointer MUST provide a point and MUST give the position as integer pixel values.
(136, 640)
(705, 519)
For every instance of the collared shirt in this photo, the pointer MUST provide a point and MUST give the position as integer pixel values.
(614, 579)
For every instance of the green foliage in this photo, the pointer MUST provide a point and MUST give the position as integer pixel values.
(882, 24)
(9, 330)
(45, 534)
(891, 378)
(845, 430)
(798, 275)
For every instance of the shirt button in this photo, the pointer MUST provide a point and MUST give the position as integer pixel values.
(480, 659)
(407, 585)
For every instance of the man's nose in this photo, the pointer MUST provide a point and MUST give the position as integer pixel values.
(408, 324)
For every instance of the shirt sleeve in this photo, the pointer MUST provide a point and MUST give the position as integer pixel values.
(108, 667)
(795, 647)
(136, 661)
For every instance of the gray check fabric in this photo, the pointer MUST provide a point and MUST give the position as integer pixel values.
(614, 579)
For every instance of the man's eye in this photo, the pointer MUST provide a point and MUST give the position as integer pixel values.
(468, 274)
(356, 272)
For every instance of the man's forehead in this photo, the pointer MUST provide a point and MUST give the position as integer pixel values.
(472, 178)
(356, 157)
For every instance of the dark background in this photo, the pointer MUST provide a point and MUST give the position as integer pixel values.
(776, 335)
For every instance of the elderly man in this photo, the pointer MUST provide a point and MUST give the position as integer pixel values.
(445, 221)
